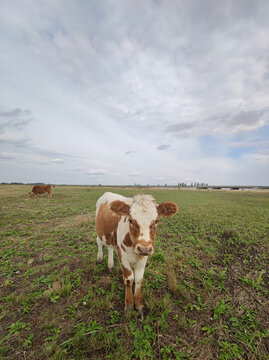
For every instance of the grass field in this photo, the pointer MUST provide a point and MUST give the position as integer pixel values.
(205, 288)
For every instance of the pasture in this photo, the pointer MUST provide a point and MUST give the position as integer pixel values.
(205, 287)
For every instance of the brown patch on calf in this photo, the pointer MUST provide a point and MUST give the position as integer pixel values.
(123, 248)
(129, 298)
(107, 224)
(127, 240)
(111, 239)
(118, 252)
(126, 272)
(134, 229)
(139, 297)
(120, 208)
(152, 230)
(167, 209)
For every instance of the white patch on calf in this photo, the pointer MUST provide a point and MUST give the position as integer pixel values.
(144, 211)
(122, 230)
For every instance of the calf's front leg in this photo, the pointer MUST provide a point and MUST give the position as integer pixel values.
(128, 278)
(138, 274)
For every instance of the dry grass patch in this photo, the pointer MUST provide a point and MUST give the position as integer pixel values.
(172, 280)
(80, 220)
(83, 220)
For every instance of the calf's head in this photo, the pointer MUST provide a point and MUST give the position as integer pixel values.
(143, 217)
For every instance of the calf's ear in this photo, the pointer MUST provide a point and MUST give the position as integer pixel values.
(167, 209)
(120, 208)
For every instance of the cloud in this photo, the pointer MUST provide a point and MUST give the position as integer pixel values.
(95, 172)
(15, 113)
(163, 147)
(58, 161)
(129, 152)
(175, 128)
(258, 156)
(233, 123)
(6, 156)
(250, 143)
(245, 118)
(242, 121)
(15, 139)
(60, 156)
(135, 173)
(12, 126)
(16, 119)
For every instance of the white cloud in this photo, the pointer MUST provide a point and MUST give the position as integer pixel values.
(258, 156)
(58, 161)
(94, 172)
(6, 156)
(135, 173)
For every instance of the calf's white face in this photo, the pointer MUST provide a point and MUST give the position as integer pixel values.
(143, 217)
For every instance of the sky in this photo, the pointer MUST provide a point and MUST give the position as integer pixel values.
(134, 92)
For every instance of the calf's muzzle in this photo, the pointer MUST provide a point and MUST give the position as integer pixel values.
(144, 250)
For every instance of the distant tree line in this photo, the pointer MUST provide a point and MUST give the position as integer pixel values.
(21, 183)
(179, 185)
(195, 184)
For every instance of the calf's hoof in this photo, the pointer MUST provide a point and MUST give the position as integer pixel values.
(140, 312)
(129, 306)
(128, 309)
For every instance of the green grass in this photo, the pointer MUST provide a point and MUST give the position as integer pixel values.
(205, 288)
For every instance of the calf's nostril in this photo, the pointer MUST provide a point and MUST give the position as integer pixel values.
(144, 250)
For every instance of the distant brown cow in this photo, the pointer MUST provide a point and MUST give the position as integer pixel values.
(41, 189)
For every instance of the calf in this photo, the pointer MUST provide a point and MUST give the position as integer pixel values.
(41, 189)
(129, 225)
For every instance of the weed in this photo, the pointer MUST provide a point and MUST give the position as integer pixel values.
(230, 351)
(220, 308)
(156, 282)
(114, 316)
(28, 341)
(15, 328)
(143, 339)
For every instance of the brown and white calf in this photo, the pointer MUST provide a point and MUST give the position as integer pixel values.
(129, 225)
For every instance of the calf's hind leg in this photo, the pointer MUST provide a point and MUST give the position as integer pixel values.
(100, 254)
(110, 262)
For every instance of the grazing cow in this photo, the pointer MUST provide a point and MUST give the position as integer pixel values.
(129, 225)
(41, 189)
